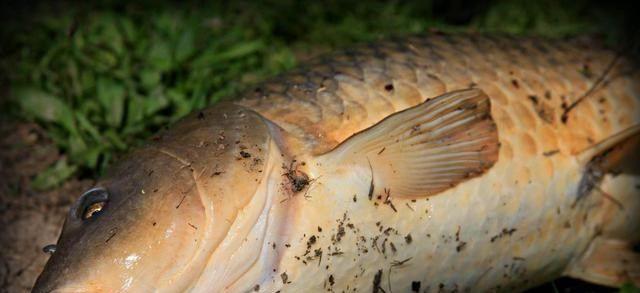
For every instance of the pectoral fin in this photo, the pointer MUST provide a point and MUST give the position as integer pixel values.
(428, 148)
(610, 258)
(615, 154)
(615, 150)
(609, 262)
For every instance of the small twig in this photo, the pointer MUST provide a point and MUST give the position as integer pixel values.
(371, 186)
(394, 264)
(599, 81)
(397, 263)
(609, 197)
(181, 200)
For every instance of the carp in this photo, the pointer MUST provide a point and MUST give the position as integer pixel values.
(448, 163)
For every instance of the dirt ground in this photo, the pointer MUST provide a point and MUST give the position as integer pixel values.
(28, 219)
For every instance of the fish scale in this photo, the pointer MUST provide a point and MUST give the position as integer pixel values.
(351, 91)
(512, 220)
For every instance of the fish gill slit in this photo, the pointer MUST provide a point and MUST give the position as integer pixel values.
(264, 211)
(207, 207)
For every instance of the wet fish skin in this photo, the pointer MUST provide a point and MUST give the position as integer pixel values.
(169, 202)
(515, 225)
(498, 232)
(530, 82)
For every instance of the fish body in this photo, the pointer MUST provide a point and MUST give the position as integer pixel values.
(432, 163)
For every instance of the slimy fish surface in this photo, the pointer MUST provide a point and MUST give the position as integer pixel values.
(437, 163)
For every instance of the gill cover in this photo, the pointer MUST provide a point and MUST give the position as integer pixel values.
(162, 211)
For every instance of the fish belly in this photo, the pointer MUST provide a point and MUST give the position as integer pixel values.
(511, 229)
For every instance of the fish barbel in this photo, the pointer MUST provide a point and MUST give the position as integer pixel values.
(431, 163)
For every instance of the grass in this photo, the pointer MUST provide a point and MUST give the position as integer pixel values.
(629, 288)
(99, 79)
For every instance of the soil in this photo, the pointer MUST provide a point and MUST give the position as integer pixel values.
(29, 219)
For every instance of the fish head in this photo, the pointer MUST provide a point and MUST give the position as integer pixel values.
(155, 220)
(117, 235)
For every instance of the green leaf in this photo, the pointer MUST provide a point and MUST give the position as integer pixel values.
(87, 79)
(135, 111)
(150, 78)
(86, 125)
(185, 46)
(180, 101)
(281, 59)
(103, 59)
(90, 157)
(111, 96)
(159, 55)
(72, 72)
(45, 107)
(629, 288)
(115, 139)
(156, 101)
(77, 146)
(237, 51)
(54, 175)
(108, 34)
(128, 29)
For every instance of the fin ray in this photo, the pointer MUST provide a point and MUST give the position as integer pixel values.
(427, 148)
(610, 262)
(589, 153)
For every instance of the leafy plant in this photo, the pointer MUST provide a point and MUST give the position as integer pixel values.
(116, 79)
(629, 288)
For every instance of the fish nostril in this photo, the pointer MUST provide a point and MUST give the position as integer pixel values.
(49, 249)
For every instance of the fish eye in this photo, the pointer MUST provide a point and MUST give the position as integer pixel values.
(92, 210)
(92, 203)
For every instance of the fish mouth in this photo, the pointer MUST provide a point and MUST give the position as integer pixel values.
(48, 285)
(70, 289)
(74, 290)
(88, 288)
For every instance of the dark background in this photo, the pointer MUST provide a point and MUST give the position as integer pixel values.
(82, 83)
